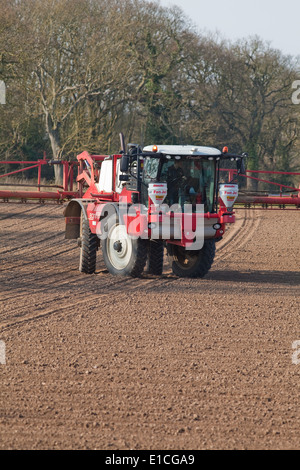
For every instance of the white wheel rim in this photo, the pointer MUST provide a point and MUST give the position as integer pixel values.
(119, 258)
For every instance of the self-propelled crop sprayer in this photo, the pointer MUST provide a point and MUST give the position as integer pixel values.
(142, 201)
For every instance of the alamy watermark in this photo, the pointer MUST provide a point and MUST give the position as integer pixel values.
(296, 353)
(2, 353)
(163, 224)
(2, 92)
(296, 94)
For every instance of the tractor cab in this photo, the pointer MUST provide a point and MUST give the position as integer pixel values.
(189, 172)
(190, 175)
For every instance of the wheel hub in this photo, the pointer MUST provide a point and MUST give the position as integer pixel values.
(117, 246)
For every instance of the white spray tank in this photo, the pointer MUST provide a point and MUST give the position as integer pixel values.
(228, 194)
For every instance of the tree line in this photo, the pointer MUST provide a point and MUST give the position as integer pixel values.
(78, 72)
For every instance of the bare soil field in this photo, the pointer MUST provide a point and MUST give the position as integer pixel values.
(157, 363)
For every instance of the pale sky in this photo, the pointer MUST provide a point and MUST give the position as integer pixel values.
(276, 21)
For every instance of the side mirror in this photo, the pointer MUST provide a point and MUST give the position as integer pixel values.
(124, 165)
(240, 164)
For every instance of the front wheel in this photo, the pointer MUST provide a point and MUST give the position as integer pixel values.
(156, 257)
(122, 254)
(190, 263)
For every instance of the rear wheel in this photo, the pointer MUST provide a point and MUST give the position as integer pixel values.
(156, 257)
(89, 243)
(190, 263)
(122, 254)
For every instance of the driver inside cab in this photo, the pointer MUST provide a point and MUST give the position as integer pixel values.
(175, 179)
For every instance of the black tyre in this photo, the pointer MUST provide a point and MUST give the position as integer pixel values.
(156, 257)
(122, 254)
(190, 263)
(89, 243)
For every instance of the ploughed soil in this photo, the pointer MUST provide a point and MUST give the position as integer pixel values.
(157, 363)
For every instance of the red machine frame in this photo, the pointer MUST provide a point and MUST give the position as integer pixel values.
(61, 193)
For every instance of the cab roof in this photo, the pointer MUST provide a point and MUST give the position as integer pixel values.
(183, 150)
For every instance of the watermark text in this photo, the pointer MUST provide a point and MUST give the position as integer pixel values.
(296, 94)
(2, 92)
(164, 222)
(2, 353)
(296, 353)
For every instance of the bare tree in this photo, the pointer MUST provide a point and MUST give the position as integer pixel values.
(83, 70)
